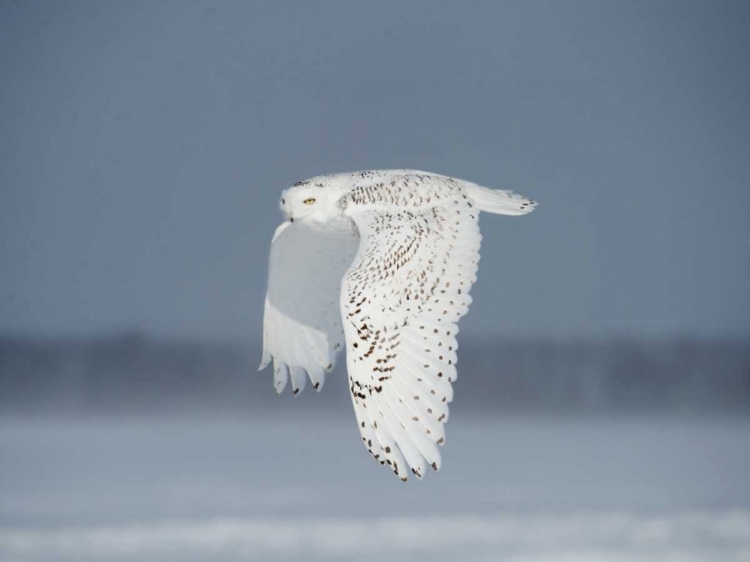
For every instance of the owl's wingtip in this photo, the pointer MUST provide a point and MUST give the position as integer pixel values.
(264, 361)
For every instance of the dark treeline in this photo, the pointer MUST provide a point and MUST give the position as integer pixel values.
(133, 373)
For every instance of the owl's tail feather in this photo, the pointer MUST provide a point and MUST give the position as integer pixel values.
(499, 201)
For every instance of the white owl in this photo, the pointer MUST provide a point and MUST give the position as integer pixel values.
(381, 262)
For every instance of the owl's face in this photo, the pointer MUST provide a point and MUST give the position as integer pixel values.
(310, 203)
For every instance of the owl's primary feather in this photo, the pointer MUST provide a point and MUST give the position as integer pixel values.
(399, 251)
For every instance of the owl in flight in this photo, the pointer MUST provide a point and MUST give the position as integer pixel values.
(380, 262)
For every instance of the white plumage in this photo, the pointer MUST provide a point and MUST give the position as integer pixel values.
(397, 250)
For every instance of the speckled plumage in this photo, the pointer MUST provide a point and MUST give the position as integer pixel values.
(400, 251)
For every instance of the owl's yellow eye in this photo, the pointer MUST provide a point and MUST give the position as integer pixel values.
(309, 201)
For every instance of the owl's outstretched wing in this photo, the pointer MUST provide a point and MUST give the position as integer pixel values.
(301, 323)
(400, 302)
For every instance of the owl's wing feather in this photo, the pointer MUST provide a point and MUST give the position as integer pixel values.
(400, 302)
(301, 324)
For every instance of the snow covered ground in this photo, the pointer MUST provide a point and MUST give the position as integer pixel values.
(285, 488)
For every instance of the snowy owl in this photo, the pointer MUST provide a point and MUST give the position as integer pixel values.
(381, 262)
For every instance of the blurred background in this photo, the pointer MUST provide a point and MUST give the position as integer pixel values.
(602, 408)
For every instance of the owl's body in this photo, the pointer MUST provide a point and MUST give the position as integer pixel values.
(381, 263)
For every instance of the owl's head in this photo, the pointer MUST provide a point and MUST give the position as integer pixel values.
(308, 201)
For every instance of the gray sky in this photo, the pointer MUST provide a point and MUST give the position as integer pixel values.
(143, 146)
